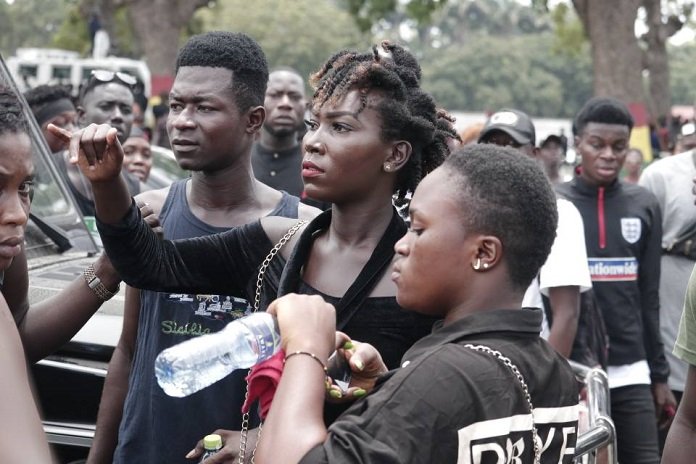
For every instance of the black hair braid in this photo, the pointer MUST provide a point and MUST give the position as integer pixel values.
(11, 115)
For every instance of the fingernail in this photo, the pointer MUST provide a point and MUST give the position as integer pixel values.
(348, 345)
(335, 394)
(359, 364)
(359, 393)
(191, 453)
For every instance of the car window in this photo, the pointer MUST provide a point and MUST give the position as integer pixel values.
(53, 207)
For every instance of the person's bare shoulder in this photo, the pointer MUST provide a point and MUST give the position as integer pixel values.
(154, 198)
(276, 227)
(307, 212)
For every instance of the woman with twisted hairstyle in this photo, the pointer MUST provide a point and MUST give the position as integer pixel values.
(373, 133)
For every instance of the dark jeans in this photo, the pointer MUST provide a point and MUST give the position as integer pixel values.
(633, 413)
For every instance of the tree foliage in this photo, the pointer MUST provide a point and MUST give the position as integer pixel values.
(476, 55)
(29, 23)
(488, 73)
(297, 33)
(366, 13)
(683, 74)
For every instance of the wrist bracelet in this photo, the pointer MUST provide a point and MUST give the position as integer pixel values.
(95, 284)
(311, 355)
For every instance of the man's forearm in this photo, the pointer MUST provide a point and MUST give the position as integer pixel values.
(112, 200)
(565, 306)
(111, 409)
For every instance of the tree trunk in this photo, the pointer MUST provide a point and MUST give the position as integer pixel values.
(616, 56)
(158, 24)
(656, 57)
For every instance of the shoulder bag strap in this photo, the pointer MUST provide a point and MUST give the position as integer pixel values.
(274, 251)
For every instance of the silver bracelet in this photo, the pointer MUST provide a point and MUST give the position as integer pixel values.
(95, 284)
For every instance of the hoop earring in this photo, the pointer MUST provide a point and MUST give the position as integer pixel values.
(477, 265)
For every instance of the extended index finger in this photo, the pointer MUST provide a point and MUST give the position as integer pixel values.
(63, 134)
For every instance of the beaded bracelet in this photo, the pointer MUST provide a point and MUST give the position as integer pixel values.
(311, 355)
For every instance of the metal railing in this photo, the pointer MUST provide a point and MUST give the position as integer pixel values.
(601, 430)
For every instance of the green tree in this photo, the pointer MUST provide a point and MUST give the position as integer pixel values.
(683, 74)
(366, 13)
(486, 74)
(297, 33)
(29, 23)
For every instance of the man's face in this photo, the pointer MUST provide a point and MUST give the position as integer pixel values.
(503, 139)
(603, 148)
(206, 129)
(633, 163)
(285, 103)
(110, 103)
(551, 154)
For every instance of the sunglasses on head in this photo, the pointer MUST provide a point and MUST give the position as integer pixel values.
(105, 76)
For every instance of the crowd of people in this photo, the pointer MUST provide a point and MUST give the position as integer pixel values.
(460, 307)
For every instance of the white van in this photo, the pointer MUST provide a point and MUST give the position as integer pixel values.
(31, 67)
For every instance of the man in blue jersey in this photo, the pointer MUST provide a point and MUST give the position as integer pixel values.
(215, 111)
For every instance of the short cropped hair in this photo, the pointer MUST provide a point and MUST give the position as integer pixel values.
(603, 110)
(407, 111)
(508, 196)
(39, 96)
(234, 51)
(12, 118)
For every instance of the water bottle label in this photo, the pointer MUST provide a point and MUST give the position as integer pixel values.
(267, 340)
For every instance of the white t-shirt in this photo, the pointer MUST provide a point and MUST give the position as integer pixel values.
(567, 262)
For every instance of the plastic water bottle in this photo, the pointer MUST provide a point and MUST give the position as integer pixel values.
(192, 365)
(212, 444)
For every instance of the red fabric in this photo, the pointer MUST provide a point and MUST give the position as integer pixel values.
(263, 380)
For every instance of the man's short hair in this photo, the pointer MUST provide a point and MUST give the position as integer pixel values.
(603, 110)
(47, 101)
(234, 51)
(508, 196)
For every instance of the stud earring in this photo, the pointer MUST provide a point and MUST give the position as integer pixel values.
(477, 265)
(485, 265)
(388, 167)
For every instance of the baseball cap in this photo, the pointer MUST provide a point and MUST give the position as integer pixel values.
(514, 123)
(688, 129)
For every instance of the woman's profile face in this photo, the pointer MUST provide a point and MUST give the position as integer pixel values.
(16, 184)
(344, 152)
(434, 257)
